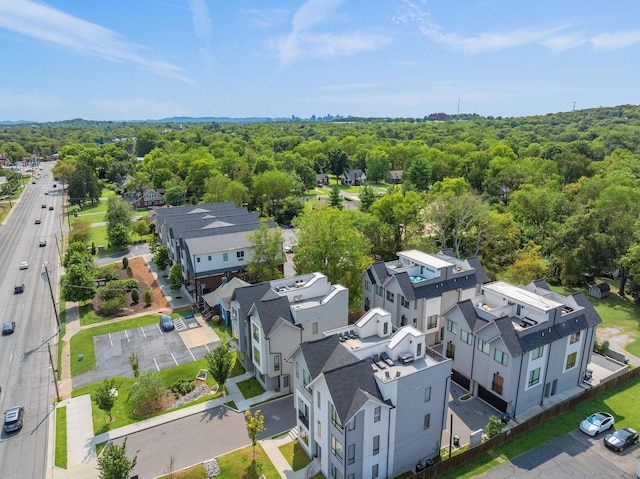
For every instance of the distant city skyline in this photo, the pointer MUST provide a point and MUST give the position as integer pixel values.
(154, 59)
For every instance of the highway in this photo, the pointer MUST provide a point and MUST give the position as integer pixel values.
(26, 377)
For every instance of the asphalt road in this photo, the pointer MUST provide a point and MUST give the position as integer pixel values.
(25, 375)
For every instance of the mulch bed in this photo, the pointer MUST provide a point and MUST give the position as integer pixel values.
(145, 278)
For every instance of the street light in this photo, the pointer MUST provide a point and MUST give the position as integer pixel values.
(53, 300)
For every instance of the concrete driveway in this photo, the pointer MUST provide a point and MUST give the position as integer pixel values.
(572, 455)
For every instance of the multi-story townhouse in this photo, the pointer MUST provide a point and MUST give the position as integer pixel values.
(515, 346)
(269, 320)
(418, 287)
(370, 403)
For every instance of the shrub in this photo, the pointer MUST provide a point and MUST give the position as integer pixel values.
(125, 262)
(93, 249)
(601, 346)
(493, 427)
(109, 272)
(182, 387)
(145, 396)
(129, 272)
(113, 305)
(134, 295)
(148, 296)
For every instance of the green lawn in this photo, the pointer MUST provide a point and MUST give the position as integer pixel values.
(241, 463)
(250, 388)
(61, 437)
(295, 455)
(621, 402)
(195, 472)
(82, 342)
(222, 330)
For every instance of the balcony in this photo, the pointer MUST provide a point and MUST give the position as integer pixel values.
(303, 419)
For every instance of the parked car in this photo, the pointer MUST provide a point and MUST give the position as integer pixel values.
(24, 265)
(38, 221)
(288, 248)
(597, 423)
(166, 323)
(18, 288)
(9, 328)
(43, 243)
(621, 438)
(13, 418)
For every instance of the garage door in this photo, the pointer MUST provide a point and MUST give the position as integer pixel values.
(460, 379)
(492, 399)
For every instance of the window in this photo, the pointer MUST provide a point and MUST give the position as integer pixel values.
(351, 476)
(466, 336)
(306, 379)
(575, 337)
(390, 296)
(432, 321)
(479, 289)
(534, 377)
(374, 471)
(376, 414)
(404, 302)
(537, 353)
(335, 419)
(318, 400)
(336, 448)
(497, 383)
(335, 472)
(385, 328)
(427, 421)
(315, 327)
(351, 454)
(427, 394)
(376, 445)
(198, 259)
(518, 310)
(352, 424)
(571, 361)
(208, 258)
(297, 370)
(319, 429)
(276, 362)
(367, 286)
(483, 346)
(379, 290)
(256, 355)
(419, 350)
(451, 350)
(240, 255)
(256, 332)
(225, 256)
(452, 327)
(500, 356)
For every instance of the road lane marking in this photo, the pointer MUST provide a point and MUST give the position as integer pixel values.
(157, 367)
(110, 340)
(127, 336)
(208, 350)
(174, 359)
(194, 358)
(145, 336)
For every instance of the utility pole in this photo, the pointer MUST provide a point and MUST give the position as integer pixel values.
(53, 299)
(53, 370)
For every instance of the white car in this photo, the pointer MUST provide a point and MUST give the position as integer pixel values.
(597, 423)
(24, 265)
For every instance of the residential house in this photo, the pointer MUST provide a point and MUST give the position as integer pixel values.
(322, 179)
(353, 177)
(147, 198)
(516, 346)
(218, 302)
(269, 320)
(418, 288)
(394, 177)
(370, 403)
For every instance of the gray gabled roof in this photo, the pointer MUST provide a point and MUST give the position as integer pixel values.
(590, 313)
(270, 309)
(326, 354)
(378, 272)
(468, 311)
(223, 292)
(351, 386)
(248, 295)
(541, 283)
(481, 274)
(165, 214)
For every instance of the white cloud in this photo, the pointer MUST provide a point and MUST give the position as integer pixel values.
(302, 42)
(201, 19)
(50, 25)
(614, 41)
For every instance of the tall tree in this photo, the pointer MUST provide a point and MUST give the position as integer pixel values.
(335, 198)
(338, 162)
(113, 463)
(175, 277)
(118, 217)
(378, 164)
(104, 398)
(267, 254)
(219, 363)
(255, 425)
(79, 283)
(161, 258)
(401, 212)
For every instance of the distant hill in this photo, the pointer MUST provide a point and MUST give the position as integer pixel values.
(214, 119)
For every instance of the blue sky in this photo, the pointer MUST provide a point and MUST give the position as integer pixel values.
(151, 59)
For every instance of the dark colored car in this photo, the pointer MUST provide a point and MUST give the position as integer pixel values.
(43, 243)
(166, 323)
(13, 418)
(50, 207)
(9, 328)
(43, 205)
(18, 288)
(621, 438)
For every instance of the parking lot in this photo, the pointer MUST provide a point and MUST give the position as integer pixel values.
(154, 349)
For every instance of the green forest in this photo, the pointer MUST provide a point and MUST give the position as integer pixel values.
(554, 196)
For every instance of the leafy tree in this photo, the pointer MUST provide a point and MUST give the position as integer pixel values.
(113, 305)
(119, 212)
(135, 296)
(493, 427)
(79, 282)
(329, 243)
(146, 140)
(267, 254)
(118, 236)
(338, 162)
(80, 232)
(290, 208)
(114, 463)
(175, 277)
(135, 366)
(528, 267)
(255, 425)
(175, 195)
(401, 212)
(77, 254)
(103, 397)
(271, 188)
(148, 297)
(125, 262)
(335, 198)
(378, 164)
(161, 258)
(220, 362)
(418, 176)
(367, 198)
(141, 228)
(145, 396)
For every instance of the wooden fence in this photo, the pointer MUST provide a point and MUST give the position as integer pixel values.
(454, 462)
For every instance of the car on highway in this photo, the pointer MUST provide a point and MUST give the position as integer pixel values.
(42, 243)
(620, 439)
(46, 192)
(50, 207)
(597, 423)
(288, 248)
(33, 182)
(9, 328)
(24, 265)
(13, 418)
(38, 221)
(18, 288)
(166, 323)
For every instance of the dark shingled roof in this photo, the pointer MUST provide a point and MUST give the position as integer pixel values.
(509, 336)
(468, 311)
(248, 295)
(351, 386)
(380, 271)
(541, 283)
(481, 274)
(270, 309)
(326, 354)
(448, 252)
(592, 316)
